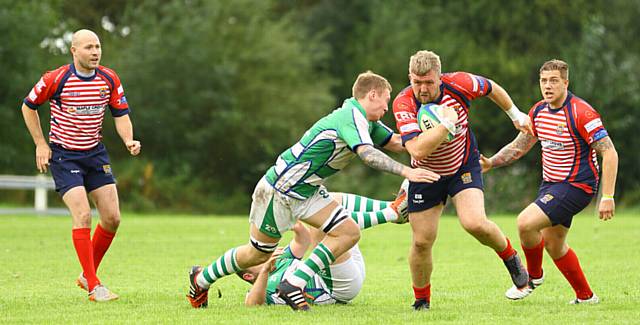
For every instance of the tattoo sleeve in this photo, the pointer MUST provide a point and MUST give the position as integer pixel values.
(514, 150)
(375, 158)
(602, 145)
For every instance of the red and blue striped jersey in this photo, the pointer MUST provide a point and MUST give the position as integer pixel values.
(566, 135)
(78, 104)
(456, 88)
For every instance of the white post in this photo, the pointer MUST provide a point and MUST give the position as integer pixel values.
(41, 194)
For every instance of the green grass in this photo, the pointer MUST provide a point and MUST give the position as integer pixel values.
(148, 263)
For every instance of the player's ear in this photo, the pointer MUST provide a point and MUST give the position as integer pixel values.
(248, 277)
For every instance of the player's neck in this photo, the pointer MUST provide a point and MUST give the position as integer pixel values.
(84, 72)
(559, 102)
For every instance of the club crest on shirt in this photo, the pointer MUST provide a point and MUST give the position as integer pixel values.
(466, 178)
(546, 198)
(103, 92)
(560, 128)
(106, 169)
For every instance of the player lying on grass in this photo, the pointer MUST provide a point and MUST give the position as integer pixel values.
(339, 282)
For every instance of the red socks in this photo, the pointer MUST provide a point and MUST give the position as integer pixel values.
(101, 242)
(507, 252)
(82, 243)
(423, 293)
(534, 259)
(570, 268)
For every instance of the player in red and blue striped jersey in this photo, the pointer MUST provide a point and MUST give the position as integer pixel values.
(456, 161)
(79, 94)
(571, 134)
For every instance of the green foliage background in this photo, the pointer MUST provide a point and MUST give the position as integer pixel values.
(219, 88)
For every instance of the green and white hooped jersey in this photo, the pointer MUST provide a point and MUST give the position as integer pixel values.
(325, 149)
(317, 290)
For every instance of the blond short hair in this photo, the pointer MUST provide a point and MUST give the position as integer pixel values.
(368, 81)
(559, 65)
(424, 61)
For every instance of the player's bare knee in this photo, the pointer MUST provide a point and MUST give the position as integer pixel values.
(82, 219)
(112, 221)
(423, 244)
(475, 227)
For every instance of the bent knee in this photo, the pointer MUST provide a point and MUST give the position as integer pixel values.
(476, 228)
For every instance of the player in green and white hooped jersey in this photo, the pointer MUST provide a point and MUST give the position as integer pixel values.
(292, 190)
(339, 282)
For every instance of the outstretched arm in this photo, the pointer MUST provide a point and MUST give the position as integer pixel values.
(509, 153)
(395, 144)
(605, 149)
(521, 121)
(376, 159)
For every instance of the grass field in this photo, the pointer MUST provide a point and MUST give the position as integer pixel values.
(149, 260)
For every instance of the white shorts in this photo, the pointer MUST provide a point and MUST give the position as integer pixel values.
(274, 213)
(346, 279)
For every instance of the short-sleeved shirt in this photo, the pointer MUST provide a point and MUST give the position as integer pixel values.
(325, 149)
(566, 135)
(78, 104)
(456, 88)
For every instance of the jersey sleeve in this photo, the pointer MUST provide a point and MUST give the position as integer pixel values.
(532, 113)
(118, 101)
(590, 124)
(470, 85)
(354, 129)
(42, 91)
(404, 112)
(381, 134)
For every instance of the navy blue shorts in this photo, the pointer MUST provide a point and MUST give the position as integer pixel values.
(561, 201)
(88, 168)
(423, 196)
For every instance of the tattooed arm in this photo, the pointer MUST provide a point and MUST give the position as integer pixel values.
(605, 149)
(509, 153)
(375, 158)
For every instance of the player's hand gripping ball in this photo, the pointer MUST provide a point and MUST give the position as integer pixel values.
(431, 115)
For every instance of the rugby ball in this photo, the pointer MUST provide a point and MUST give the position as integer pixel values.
(430, 116)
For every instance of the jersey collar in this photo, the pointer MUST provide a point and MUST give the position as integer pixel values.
(565, 104)
(354, 102)
(73, 69)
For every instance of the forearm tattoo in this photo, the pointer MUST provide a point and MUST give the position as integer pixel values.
(514, 150)
(602, 145)
(375, 158)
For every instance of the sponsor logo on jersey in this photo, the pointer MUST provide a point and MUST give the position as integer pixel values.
(106, 169)
(103, 92)
(593, 125)
(86, 109)
(560, 128)
(72, 94)
(401, 116)
(75, 171)
(552, 145)
(546, 198)
(466, 178)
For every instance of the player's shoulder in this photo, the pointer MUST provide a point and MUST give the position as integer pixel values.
(537, 106)
(404, 100)
(109, 71)
(456, 77)
(581, 105)
(54, 76)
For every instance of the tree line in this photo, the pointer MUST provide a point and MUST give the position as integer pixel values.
(219, 88)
